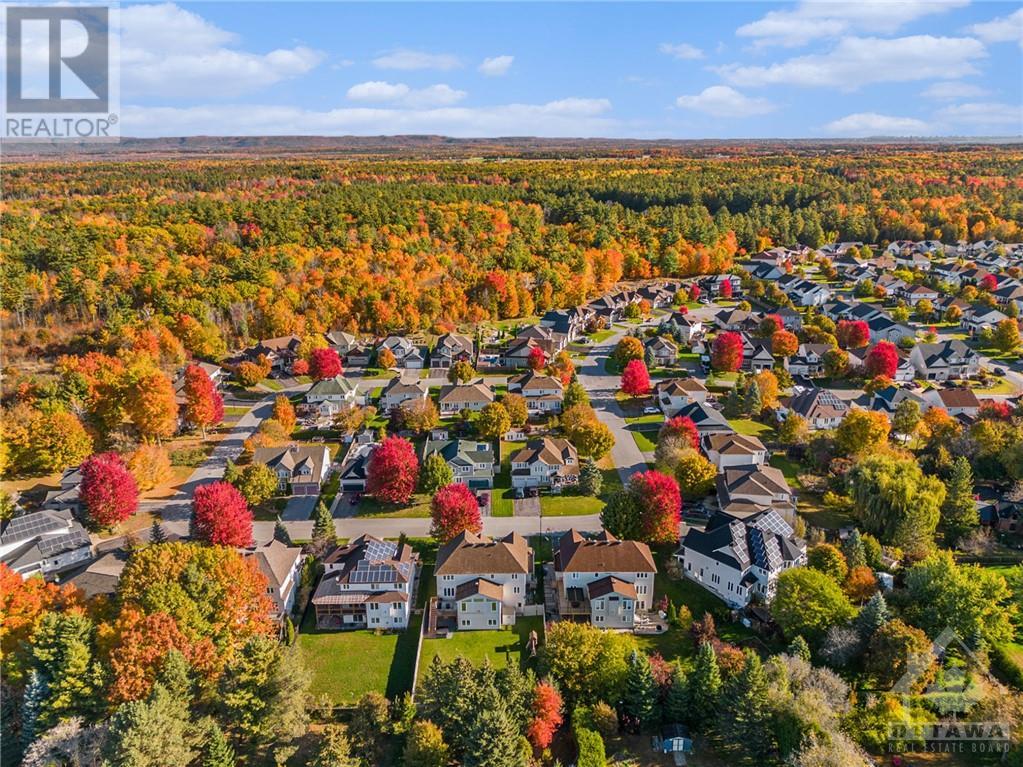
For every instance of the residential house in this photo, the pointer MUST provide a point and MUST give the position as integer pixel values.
(820, 407)
(756, 354)
(707, 419)
(302, 467)
(570, 323)
(471, 462)
(398, 392)
(731, 450)
(483, 583)
(791, 319)
(808, 360)
(356, 466)
(603, 579)
(673, 394)
(451, 348)
(281, 352)
(740, 559)
(281, 565)
(917, 293)
(44, 543)
(736, 319)
(760, 485)
(887, 400)
(407, 354)
(332, 395)
(543, 393)
(804, 292)
(957, 402)
(546, 462)
(474, 397)
(661, 351)
(762, 270)
(348, 346)
(944, 360)
(712, 285)
(100, 577)
(367, 583)
(67, 496)
(884, 328)
(682, 326)
(980, 317)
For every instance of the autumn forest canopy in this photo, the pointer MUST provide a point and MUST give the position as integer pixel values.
(221, 252)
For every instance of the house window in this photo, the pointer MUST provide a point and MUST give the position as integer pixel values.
(465, 607)
(493, 607)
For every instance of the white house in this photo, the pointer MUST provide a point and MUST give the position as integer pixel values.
(603, 579)
(367, 583)
(304, 468)
(944, 360)
(546, 462)
(282, 566)
(333, 394)
(960, 401)
(451, 348)
(736, 559)
(471, 462)
(455, 398)
(398, 392)
(543, 393)
(820, 407)
(44, 542)
(731, 450)
(483, 582)
(673, 394)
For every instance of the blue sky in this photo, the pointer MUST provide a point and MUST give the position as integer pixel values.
(644, 70)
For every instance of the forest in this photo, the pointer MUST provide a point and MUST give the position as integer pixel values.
(223, 251)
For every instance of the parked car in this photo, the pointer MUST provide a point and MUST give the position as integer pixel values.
(650, 410)
(999, 371)
(520, 492)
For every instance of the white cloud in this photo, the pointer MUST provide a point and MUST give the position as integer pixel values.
(722, 101)
(1004, 29)
(405, 59)
(952, 90)
(495, 66)
(570, 117)
(683, 51)
(868, 124)
(816, 20)
(169, 52)
(979, 115)
(399, 94)
(859, 61)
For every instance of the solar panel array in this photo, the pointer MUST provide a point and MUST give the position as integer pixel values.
(738, 531)
(771, 521)
(31, 525)
(55, 544)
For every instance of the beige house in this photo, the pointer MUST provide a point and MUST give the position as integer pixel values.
(731, 450)
(607, 580)
(673, 394)
(483, 583)
(543, 393)
(282, 567)
(458, 397)
(546, 462)
(304, 468)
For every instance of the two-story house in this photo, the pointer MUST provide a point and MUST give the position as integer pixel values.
(483, 583)
(808, 360)
(407, 354)
(673, 394)
(473, 397)
(398, 392)
(332, 395)
(355, 468)
(727, 451)
(546, 462)
(707, 419)
(282, 567)
(44, 542)
(737, 559)
(367, 583)
(451, 348)
(281, 352)
(471, 462)
(682, 326)
(944, 360)
(759, 486)
(956, 402)
(661, 351)
(603, 579)
(302, 467)
(820, 407)
(543, 393)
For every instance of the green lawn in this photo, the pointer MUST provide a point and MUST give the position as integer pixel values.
(502, 647)
(236, 411)
(502, 495)
(750, 427)
(347, 664)
(643, 419)
(600, 336)
(787, 466)
(570, 503)
(418, 506)
(816, 515)
(645, 439)
(272, 384)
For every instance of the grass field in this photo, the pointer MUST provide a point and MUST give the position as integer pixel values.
(787, 466)
(656, 418)
(501, 647)
(570, 503)
(750, 427)
(418, 506)
(600, 336)
(646, 439)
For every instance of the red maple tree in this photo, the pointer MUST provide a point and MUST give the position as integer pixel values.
(995, 410)
(784, 343)
(393, 471)
(546, 719)
(221, 516)
(882, 360)
(681, 426)
(660, 506)
(324, 363)
(537, 359)
(204, 405)
(852, 334)
(988, 282)
(299, 368)
(636, 379)
(454, 510)
(108, 491)
(726, 289)
(694, 292)
(726, 352)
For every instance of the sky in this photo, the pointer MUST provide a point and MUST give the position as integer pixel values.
(624, 70)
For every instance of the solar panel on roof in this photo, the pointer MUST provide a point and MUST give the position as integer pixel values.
(57, 543)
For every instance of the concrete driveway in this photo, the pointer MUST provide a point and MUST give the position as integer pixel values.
(299, 508)
(526, 507)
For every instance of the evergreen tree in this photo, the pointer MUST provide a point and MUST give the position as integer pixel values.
(675, 703)
(852, 548)
(798, 648)
(231, 472)
(745, 720)
(151, 733)
(874, 615)
(289, 631)
(640, 694)
(324, 532)
(492, 739)
(516, 690)
(959, 512)
(156, 533)
(218, 752)
(176, 675)
(591, 481)
(335, 749)
(733, 403)
(35, 694)
(703, 689)
(281, 532)
(753, 403)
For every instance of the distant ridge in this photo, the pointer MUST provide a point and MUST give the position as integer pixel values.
(425, 146)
